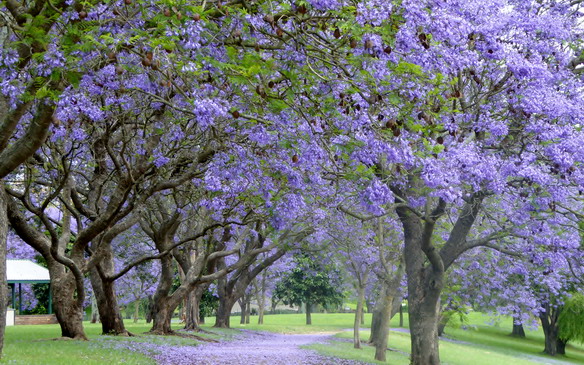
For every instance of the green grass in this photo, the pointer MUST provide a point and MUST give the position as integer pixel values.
(489, 344)
(296, 323)
(37, 345)
(496, 336)
(345, 350)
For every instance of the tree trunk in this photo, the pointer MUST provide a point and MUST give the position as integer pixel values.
(375, 318)
(561, 346)
(224, 312)
(68, 312)
(380, 308)
(192, 307)
(308, 313)
(261, 298)
(381, 342)
(161, 317)
(518, 330)
(94, 311)
(549, 324)
(401, 315)
(442, 322)
(107, 304)
(358, 317)
(148, 312)
(201, 316)
(424, 312)
(425, 281)
(243, 306)
(248, 309)
(3, 283)
(159, 311)
(136, 310)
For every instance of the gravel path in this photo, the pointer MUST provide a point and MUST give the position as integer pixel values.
(258, 348)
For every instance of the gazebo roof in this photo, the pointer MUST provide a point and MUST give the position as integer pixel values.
(26, 271)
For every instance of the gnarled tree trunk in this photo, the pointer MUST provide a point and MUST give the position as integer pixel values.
(67, 309)
(161, 317)
(107, 305)
(159, 308)
(105, 294)
(226, 304)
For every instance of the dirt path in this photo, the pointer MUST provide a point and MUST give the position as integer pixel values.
(255, 348)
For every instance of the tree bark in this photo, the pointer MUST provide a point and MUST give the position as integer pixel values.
(375, 319)
(518, 330)
(358, 317)
(161, 318)
(159, 309)
(380, 308)
(247, 308)
(442, 322)
(224, 312)
(425, 284)
(3, 283)
(136, 310)
(231, 290)
(385, 314)
(424, 313)
(94, 310)
(261, 297)
(243, 305)
(193, 318)
(561, 346)
(105, 294)
(67, 309)
(549, 323)
(308, 313)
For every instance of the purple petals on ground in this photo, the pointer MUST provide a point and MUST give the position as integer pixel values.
(248, 348)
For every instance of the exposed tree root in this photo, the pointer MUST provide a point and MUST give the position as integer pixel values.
(76, 338)
(199, 330)
(122, 334)
(181, 334)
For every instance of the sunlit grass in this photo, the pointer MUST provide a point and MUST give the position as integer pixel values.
(296, 323)
(484, 343)
(37, 345)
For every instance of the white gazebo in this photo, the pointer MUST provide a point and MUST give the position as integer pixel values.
(26, 272)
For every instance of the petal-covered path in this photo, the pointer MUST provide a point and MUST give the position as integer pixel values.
(254, 348)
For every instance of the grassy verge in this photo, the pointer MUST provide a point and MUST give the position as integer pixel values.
(296, 323)
(482, 343)
(37, 345)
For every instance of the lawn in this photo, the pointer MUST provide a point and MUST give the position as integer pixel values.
(482, 343)
(36, 345)
(296, 323)
(489, 343)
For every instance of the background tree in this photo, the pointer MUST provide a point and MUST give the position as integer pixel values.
(309, 283)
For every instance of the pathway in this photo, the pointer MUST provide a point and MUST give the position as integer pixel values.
(255, 348)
